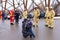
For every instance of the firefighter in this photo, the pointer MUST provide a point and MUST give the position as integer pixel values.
(51, 18)
(36, 14)
(47, 16)
(0, 14)
(25, 14)
(11, 17)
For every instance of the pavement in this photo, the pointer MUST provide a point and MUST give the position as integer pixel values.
(14, 32)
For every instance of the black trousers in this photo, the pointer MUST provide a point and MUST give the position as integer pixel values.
(16, 20)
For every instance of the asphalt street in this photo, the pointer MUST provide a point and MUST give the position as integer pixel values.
(14, 32)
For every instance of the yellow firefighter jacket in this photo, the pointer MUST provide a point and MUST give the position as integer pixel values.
(36, 13)
(25, 14)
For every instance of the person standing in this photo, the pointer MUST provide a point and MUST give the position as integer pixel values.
(51, 18)
(0, 15)
(11, 12)
(3, 15)
(17, 14)
(36, 14)
(47, 16)
(25, 13)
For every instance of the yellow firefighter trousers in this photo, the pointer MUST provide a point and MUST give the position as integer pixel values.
(35, 21)
(47, 20)
(51, 22)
